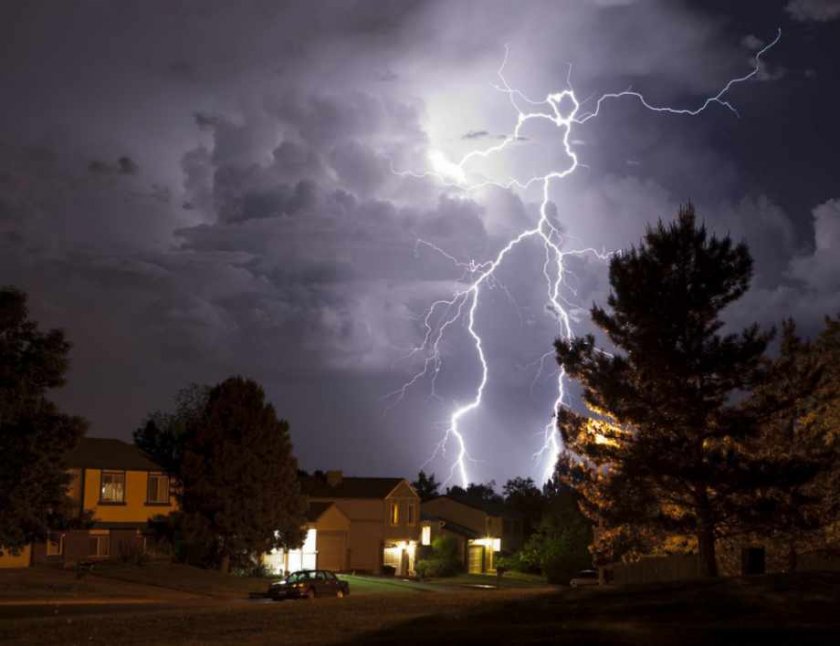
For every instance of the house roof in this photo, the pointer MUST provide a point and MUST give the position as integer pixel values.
(316, 510)
(490, 508)
(109, 453)
(379, 488)
(455, 528)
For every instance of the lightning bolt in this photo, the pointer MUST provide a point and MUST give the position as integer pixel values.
(563, 110)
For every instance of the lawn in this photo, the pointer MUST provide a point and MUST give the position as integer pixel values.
(801, 609)
(508, 580)
(183, 578)
(384, 585)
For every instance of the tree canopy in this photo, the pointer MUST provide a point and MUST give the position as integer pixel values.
(665, 448)
(240, 492)
(34, 434)
(426, 486)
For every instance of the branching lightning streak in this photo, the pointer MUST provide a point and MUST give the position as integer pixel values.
(462, 306)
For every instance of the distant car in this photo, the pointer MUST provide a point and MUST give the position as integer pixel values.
(584, 577)
(308, 584)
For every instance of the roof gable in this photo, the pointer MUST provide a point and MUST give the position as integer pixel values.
(372, 488)
(109, 453)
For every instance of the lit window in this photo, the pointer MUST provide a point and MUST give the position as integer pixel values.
(411, 514)
(55, 544)
(112, 487)
(100, 545)
(158, 489)
(426, 535)
(395, 513)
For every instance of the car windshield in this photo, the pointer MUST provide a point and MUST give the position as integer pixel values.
(294, 577)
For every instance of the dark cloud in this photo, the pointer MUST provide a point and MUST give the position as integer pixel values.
(222, 193)
(813, 10)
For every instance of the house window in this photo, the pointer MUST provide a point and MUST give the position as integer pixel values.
(100, 545)
(55, 544)
(426, 535)
(158, 489)
(395, 513)
(411, 514)
(112, 487)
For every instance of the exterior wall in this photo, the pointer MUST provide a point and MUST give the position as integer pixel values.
(76, 546)
(9, 560)
(135, 509)
(463, 515)
(370, 527)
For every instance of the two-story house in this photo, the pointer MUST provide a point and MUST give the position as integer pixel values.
(120, 489)
(482, 529)
(324, 548)
(384, 519)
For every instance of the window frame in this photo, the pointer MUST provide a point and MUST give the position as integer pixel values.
(426, 535)
(394, 513)
(111, 472)
(411, 514)
(101, 539)
(59, 542)
(158, 475)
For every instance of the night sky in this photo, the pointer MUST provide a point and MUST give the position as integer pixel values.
(199, 189)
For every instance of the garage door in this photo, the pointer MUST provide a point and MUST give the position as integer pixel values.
(332, 551)
(476, 563)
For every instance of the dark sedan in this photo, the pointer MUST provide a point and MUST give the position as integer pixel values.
(308, 584)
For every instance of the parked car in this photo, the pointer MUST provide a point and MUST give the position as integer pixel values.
(308, 584)
(584, 577)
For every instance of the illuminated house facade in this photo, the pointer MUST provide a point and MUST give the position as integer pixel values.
(384, 519)
(325, 546)
(121, 489)
(481, 530)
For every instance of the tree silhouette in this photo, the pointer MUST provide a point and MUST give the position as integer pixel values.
(34, 434)
(663, 448)
(240, 485)
(426, 486)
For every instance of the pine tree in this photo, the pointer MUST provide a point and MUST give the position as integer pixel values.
(240, 485)
(792, 511)
(662, 451)
(34, 434)
(426, 486)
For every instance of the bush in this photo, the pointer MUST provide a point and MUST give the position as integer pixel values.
(444, 559)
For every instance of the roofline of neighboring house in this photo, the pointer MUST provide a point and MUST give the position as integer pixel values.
(476, 506)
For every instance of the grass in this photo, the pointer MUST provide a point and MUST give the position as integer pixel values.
(183, 578)
(508, 580)
(802, 609)
(382, 585)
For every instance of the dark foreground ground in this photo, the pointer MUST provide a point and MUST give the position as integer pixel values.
(798, 610)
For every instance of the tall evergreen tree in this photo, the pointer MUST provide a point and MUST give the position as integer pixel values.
(664, 446)
(791, 512)
(239, 476)
(426, 486)
(34, 434)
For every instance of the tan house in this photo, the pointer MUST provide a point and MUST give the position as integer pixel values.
(384, 517)
(120, 488)
(324, 548)
(481, 529)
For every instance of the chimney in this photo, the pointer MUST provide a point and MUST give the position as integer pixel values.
(334, 478)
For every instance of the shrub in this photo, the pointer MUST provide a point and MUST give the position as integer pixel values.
(444, 559)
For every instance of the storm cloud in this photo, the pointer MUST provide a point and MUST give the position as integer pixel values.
(194, 189)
